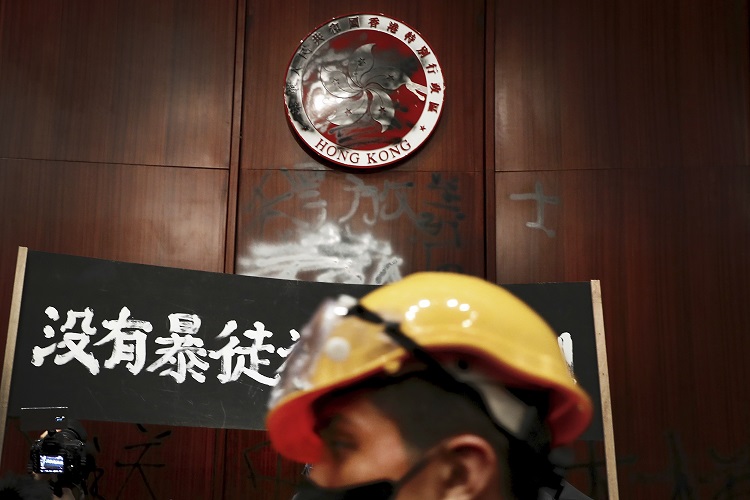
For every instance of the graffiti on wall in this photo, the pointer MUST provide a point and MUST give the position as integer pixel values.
(335, 240)
(137, 466)
(541, 200)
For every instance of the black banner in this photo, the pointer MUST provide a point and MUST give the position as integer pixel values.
(128, 342)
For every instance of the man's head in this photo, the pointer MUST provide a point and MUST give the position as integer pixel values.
(467, 377)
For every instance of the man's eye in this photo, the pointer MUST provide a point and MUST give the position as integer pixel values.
(338, 442)
(340, 448)
(341, 444)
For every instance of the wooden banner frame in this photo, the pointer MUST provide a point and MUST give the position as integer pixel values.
(10, 343)
(606, 400)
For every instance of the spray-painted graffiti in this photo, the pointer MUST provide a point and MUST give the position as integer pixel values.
(323, 243)
(730, 478)
(138, 465)
(541, 200)
(273, 475)
(333, 254)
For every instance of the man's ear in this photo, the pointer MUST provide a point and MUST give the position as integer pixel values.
(471, 468)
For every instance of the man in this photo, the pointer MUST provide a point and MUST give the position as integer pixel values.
(18, 487)
(439, 386)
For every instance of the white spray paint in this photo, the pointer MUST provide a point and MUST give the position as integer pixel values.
(540, 198)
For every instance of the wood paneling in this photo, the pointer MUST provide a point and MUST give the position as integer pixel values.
(455, 31)
(254, 470)
(667, 248)
(140, 461)
(173, 217)
(101, 104)
(622, 155)
(150, 215)
(637, 84)
(134, 82)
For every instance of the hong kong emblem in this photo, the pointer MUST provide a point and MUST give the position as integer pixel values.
(364, 91)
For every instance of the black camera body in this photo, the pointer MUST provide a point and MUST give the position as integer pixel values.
(61, 452)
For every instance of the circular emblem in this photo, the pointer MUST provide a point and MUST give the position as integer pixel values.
(364, 91)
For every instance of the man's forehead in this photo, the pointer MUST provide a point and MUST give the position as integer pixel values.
(346, 409)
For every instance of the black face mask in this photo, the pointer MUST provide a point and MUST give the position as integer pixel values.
(383, 489)
(377, 490)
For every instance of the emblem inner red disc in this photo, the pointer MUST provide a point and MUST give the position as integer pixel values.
(364, 91)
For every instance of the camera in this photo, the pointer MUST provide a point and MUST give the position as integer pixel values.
(60, 452)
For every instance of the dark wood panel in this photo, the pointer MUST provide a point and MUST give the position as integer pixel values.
(176, 462)
(644, 105)
(136, 82)
(323, 225)
(591, 84)
(254, 469)
(137, 461)
(151, 215)
(173, 217)
(454, 30)
(670, 250)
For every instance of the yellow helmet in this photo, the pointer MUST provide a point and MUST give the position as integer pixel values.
(453, 317)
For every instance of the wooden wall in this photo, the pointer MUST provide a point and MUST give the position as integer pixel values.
(579, 140)
(631, 119)
(116, 142)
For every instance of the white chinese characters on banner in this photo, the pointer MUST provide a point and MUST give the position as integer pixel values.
(128, 337)
(74, 342)
(181, 352)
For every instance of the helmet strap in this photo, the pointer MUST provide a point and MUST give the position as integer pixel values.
(518, 421)
(524, 423)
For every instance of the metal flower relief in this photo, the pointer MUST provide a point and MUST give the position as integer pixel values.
(364, 91)
(364, 88)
